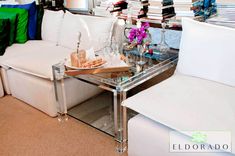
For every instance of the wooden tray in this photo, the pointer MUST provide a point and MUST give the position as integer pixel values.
(70, 72)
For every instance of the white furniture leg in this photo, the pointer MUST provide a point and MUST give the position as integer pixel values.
(1, 88)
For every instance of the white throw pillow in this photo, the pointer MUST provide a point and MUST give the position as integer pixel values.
(51, 24)
(207, 51)
(71, 26)
(92, 30)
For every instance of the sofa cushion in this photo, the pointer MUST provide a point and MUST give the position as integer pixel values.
(32, 22)
(207, 51)
(36, 58)
(91, 28)
(188, 103)
(24, 49)
(22, 21)
(51, 23)
(4, 35)
(12, 18)
(70, 28)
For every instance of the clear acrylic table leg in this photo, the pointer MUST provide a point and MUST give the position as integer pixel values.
(59, 89)
(120, 140)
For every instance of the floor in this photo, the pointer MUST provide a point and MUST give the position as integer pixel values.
(26, 131)
(97, 112)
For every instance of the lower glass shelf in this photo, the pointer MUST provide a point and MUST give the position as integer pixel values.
(96, 112)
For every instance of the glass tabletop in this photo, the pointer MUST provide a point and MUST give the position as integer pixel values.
(137, 74)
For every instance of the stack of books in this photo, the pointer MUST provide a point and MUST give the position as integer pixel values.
(103, 8)
(136, 8)
(183, 9)
(225, 15)
(161, 9)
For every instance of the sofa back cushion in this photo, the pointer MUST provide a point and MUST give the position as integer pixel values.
(207, 51)
(32, 22)
(51, 24)
(22, 22)
(4, 35)
(92, 30)
(12, 18)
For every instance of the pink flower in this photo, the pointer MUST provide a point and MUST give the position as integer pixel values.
(139, 34)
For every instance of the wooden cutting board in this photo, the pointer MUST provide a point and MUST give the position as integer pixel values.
(70, 72)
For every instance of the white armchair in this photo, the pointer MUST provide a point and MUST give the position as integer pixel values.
(199, 96)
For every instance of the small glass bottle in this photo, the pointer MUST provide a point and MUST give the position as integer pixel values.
(163, 47)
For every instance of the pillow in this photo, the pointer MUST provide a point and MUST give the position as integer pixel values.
(4, 35)
(100, 30)
(51, 23)
(40, 12)
(22, 21)
(92, 29)
(32, 11)
(12, 18)
(207, 51)
(70, 28)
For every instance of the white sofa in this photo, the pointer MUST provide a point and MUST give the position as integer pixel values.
(198, 97)
(26, 69)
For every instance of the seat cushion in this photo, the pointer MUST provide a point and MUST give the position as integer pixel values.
(188, 103)
(51, 24)
(207, 51)
(12, 18)
(4, 35)
(37, 58)
(29, 47)
(32, 12)
(22, 21)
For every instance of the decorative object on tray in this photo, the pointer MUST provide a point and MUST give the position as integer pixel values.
(85, 61)
(163, 47)
(100, 66)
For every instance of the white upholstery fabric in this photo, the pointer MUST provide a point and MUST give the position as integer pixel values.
(40, 93)
(92, 28)
(1, 87)
(69, 38)
(188, 103)
(38, 59)
(18, 50)
(152, 139)
(51, 24)
(207, 51)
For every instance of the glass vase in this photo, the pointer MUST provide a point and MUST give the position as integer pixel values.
(141, 50)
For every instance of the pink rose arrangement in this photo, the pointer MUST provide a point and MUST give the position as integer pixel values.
(139, 34)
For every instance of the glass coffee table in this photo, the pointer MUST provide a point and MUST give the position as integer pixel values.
(115, 87)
